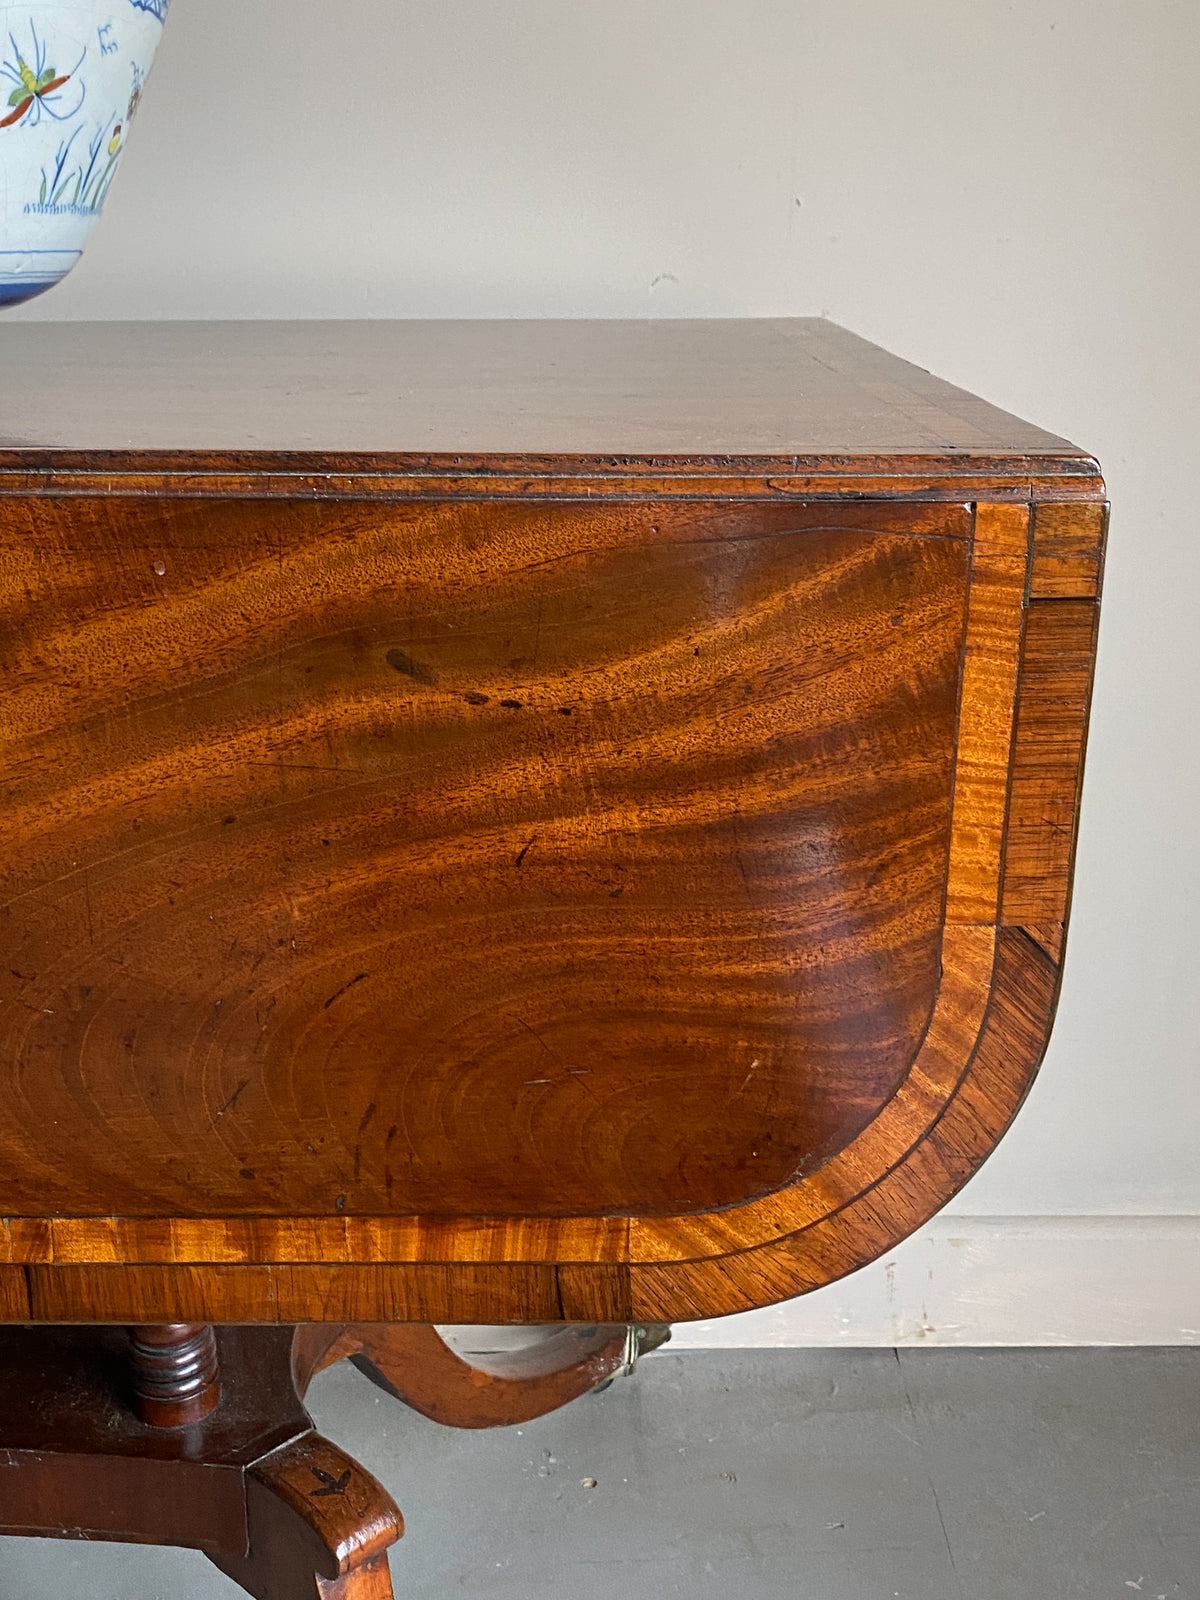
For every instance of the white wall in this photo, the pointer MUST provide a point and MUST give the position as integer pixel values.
(1002, 190)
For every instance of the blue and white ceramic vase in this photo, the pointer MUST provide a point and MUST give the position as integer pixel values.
(71, 79)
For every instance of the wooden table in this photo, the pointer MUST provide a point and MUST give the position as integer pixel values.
(552, 822)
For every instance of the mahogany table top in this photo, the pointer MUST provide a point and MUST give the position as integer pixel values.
(516, 821)
(765, 387)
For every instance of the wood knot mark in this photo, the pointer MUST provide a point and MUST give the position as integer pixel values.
(329, 1484)
(418, 671)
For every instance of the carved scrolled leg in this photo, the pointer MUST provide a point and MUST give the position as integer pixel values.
(319, 1527)
(317, 1345)
(413, 1362)
(285, 1513)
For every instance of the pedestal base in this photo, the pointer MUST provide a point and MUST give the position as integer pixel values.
(282, 1510)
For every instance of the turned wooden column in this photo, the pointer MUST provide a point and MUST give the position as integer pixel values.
(175, 1377)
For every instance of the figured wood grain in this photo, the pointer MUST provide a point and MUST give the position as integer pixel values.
(460, 1292)
(517, 848)
(14, 1295)
(561, 862)
(985, 731)
(415, 1291)
(1068, 551)
(112, 1240)
(1002, 530)
(1050, 935)
(999, 1069)
(1009, 1047)
(968, 957)
(998, 1076)
(1056, 679)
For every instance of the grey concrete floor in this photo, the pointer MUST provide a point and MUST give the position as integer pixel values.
(755, 1475)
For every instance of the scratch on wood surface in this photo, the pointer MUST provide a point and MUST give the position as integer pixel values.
(338, 993)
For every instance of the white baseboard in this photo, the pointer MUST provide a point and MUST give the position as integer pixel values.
(996, 1281)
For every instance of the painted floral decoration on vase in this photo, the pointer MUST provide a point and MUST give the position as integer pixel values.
(71, 79)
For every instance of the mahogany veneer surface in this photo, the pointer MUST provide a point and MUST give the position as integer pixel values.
(516, 821)
(527, 389)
